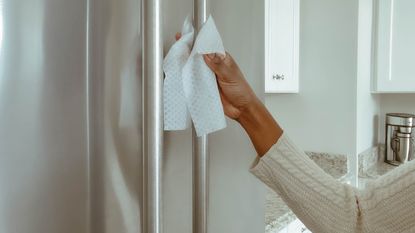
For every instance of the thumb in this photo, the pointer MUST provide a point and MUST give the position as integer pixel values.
(216, 62)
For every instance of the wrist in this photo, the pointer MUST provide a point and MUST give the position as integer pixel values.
(261, 127)
(252, 112)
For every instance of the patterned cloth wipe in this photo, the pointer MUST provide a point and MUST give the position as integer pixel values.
(190, 88)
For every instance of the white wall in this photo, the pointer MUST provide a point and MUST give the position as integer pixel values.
(237, 198)
(368, 105)
(335, 110)
(322, 117)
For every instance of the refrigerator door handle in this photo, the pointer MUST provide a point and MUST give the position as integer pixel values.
(200, 150)
(153, 126)
(152, 116)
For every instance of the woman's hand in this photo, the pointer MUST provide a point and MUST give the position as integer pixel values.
(241, 104)
(236, 94)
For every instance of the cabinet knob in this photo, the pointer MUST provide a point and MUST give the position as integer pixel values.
(278, 77)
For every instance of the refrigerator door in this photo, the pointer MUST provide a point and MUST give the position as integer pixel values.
(70, 116)
(43, 117)
(115, 90)
(70, 121)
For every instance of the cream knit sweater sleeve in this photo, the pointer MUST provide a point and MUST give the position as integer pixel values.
(326, 205)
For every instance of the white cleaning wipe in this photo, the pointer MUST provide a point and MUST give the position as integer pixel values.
(201, 95)
(176, 116)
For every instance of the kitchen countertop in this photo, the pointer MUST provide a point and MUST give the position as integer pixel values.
(374, 172)
(374, 169)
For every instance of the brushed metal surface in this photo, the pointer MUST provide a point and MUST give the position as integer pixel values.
(153, 115)
(70, 122)
(399, 142)
(399, 139)
(62, 81)
(200, 150)
(400, 119)
(43, 138)
(114, 45)
(200, 183)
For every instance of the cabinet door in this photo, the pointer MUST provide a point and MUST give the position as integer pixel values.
(281, 46)
(395, 46)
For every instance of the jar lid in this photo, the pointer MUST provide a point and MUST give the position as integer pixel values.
(403, 135)
(400, 119)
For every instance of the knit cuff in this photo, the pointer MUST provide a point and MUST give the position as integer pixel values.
(256, 164)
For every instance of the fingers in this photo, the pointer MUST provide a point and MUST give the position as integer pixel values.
(178, 36)
(216, 58)
(218, 63)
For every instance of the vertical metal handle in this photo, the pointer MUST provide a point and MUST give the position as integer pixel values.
(200, 183)
(200, 150)
(152, 115)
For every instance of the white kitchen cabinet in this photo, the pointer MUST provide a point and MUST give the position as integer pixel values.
(394, 46)
(282, 21)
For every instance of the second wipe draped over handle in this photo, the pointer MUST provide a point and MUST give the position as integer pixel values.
(190, 87)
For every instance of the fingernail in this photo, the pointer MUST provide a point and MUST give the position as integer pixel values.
(211, 55)
(221, 56)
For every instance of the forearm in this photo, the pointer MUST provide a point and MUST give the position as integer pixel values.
(261, 127)
(324, 204)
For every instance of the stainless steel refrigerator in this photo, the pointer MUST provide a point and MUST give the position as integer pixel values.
(71, 120)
